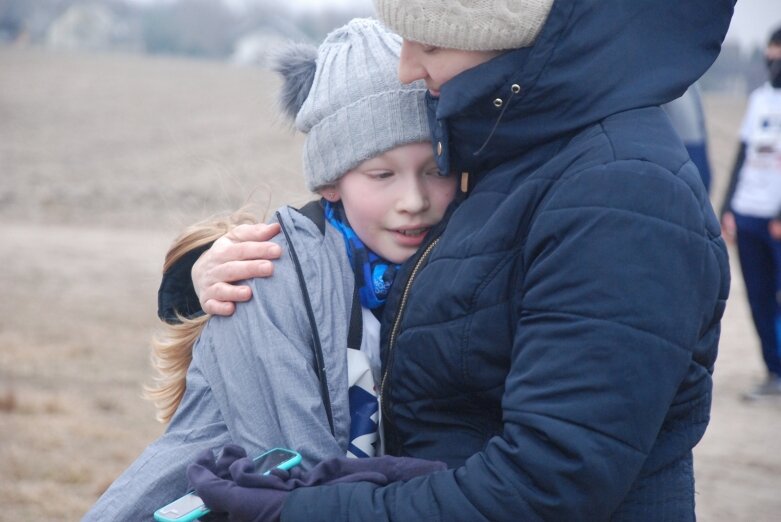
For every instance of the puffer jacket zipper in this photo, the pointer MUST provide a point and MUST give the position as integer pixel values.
(419, 263)
(384, 402)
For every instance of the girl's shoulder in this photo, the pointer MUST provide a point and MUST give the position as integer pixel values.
(313, 272)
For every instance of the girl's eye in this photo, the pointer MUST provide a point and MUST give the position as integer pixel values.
(437, 172)
(428, 49)
(381, 175)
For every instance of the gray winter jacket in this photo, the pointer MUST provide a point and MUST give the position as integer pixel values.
(253, 379)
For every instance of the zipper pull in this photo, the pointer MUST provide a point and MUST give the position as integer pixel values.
(464, 182)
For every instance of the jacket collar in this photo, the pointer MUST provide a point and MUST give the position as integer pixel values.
(592, 59)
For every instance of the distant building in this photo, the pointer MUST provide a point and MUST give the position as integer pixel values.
(94, 26)
(258, 47)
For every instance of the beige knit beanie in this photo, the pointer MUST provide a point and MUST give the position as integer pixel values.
(470, 25)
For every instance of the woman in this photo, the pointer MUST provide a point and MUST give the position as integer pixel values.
(555, 345)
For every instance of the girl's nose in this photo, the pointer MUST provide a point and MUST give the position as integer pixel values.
(414, 197)
(410, 68)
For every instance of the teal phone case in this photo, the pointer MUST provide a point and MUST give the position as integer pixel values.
(163, 514)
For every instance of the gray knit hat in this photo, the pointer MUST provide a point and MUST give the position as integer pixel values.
(470, 25)
(347, 98)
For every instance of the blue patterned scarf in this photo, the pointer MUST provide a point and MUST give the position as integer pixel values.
(373, 274)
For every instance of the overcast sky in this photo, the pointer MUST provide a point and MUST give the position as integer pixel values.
(753, 22)
(751, 25)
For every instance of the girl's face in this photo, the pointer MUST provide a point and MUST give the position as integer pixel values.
(437, 65)
(392, 200)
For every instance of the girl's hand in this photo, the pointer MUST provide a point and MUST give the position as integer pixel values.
(243, 253)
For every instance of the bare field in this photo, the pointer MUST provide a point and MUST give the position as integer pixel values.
(103, 159)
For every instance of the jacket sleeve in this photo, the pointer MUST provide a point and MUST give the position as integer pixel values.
(176, 294)
(621, 297)
(259, 363)
(157, 476)
(740, 158)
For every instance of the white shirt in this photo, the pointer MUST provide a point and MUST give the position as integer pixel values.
(758, 192)
(370, 342)
(363, 377)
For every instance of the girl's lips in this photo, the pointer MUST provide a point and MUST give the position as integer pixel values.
(410, 236)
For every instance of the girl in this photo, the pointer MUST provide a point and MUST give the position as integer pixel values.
(277, 372)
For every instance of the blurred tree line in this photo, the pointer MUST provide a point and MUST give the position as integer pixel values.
(203, 28)
(735, 71)
(212, 29)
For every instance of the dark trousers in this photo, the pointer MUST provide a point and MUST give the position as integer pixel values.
(760, 262)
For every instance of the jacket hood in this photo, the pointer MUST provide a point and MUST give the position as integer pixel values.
(592, 59)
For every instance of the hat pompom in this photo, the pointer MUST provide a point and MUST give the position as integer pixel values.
(296, 64)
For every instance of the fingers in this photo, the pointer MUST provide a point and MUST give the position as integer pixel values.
(217, 297)
(241, 254)
(232, 271)
(227, 292)
(257, 232)
(213, 307)
(225, 250)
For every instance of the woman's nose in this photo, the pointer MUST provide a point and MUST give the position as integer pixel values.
(410, 68)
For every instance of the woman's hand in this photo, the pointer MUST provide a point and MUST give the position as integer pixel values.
(243, 253)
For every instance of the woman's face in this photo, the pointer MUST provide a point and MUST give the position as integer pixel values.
(437, 65)
(393, 200)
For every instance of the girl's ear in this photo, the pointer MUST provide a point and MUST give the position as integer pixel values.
(330, 193)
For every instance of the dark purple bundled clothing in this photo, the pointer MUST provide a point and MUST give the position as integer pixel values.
(231, 485)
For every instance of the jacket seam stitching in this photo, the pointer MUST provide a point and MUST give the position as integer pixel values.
(472, 305)
(617, 323)
(584, 426)
(695, 233)
(609, 141)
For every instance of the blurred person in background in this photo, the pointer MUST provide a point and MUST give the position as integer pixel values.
(751, 215)
(688, 118)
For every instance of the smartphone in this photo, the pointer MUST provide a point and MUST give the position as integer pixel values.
(191, 507)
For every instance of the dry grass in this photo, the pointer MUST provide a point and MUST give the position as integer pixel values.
(103, 159)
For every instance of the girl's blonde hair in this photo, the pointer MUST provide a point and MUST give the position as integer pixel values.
(172, 346)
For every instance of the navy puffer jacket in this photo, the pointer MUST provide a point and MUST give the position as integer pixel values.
(556, 343)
